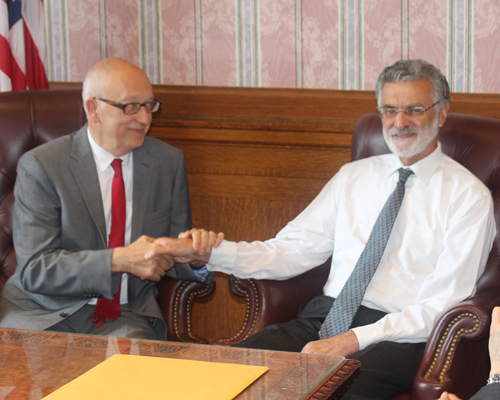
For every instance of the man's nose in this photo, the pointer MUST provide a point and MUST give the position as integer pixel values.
(402, 120)
(142, 115)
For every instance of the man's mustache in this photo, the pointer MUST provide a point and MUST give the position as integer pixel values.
(407, 131)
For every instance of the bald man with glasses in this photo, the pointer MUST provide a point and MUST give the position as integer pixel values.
(88, 207)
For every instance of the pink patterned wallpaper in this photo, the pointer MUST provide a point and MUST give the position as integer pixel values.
(335, 44)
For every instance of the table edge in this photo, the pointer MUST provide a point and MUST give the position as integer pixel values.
(337, 382)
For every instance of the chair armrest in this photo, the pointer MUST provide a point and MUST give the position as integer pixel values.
(456, 357)
(272, 302)
(175, 298)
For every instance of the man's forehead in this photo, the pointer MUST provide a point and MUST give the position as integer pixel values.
(136, 97)
(409, 92)
(123, 89)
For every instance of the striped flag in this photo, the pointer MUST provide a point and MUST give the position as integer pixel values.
(22, 45)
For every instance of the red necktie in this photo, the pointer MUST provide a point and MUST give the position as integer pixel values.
(111, 308)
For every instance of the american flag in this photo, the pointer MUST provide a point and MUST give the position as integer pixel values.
(22, 45)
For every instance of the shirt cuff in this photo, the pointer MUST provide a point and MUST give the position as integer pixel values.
(223, 257)
(202, 273)
(368, 334)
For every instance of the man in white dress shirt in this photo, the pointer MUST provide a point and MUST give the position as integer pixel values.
(436, 251)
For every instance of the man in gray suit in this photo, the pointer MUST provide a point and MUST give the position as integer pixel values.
(62, 217)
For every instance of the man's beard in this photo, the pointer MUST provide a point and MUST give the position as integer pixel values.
(410, 148)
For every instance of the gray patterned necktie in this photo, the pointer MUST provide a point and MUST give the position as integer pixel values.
(341, 314)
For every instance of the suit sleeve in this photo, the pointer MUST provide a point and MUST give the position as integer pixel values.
(181, 221)
(181, 204)
(47, 265)
(489, 392)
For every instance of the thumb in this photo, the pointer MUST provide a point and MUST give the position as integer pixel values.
(184, 235)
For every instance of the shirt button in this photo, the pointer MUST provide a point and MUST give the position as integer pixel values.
(64, 315)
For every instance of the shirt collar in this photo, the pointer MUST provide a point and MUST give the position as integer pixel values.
(423, 169)
(104, 158)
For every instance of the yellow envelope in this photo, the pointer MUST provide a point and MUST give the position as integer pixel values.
(140, 377)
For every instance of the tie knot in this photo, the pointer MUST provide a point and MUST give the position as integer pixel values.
(117, 165)
(404, 174)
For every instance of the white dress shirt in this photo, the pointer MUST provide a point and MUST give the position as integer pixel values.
(437, 249)
(105, 172)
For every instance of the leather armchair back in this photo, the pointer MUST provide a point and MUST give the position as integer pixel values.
(29, 119)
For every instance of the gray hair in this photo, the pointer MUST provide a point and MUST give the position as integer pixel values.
(413, 70)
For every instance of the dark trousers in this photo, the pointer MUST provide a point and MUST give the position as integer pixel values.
(387, 368)
(127, 325)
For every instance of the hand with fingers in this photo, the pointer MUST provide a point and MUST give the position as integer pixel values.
(193, 246)
(203, 241)
(132, 259)
(340, 345)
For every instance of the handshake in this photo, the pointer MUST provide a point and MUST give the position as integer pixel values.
(193, 246)
(148, 258)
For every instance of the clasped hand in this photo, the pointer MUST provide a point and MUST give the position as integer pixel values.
(149, 258)
(193, 246)
(340, 345)
(131, 260)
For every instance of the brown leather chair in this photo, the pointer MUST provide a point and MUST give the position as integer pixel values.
(31, 118)
(456, 356)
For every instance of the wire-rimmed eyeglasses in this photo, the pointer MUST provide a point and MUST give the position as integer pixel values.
(391, 113)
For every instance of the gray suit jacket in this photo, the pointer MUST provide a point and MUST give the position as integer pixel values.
(60, 234)
(489, 392)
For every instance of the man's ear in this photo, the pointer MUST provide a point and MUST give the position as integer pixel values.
(91, 106)
(443, 113)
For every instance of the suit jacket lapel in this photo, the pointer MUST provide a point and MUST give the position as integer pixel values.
(85, 174)
(142, 180)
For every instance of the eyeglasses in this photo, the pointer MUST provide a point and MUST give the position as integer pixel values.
(133, 108)
(391, 113)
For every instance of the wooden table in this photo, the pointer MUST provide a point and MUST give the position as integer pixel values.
(33, 364)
